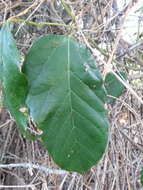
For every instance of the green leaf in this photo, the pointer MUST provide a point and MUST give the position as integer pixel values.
(13, 80)
(113, 86)
(1, 72)
(141, 176)
(0, 60)
(62, 100)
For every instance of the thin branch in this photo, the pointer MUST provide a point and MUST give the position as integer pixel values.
(136, 60)
(127, 86)
(130, 57)
(16, 186)
(135, 76)
(119, 35)
(4, 124)
(35, 166)
(131, 141)
(111, 70)
(17, 4)
(25, 11)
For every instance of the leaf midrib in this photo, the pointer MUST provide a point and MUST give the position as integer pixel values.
(69, 85)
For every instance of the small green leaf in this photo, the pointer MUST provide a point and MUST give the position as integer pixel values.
(141, 176)
(1, 72)
(113, 86)
(63, 101)
(13, 80)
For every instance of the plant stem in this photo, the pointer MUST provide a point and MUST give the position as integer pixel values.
(66, 7)
(17, 20)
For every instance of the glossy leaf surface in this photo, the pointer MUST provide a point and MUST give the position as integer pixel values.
(14, 82)
(62, 99)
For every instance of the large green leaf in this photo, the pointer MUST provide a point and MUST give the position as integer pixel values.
(13, 80)
(62, 99)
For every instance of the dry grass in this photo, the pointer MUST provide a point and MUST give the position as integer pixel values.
(94, 20)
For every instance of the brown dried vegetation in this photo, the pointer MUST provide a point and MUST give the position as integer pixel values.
(99, 25)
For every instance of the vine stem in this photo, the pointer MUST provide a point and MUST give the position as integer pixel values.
(66, 7)
(18, 20)
(35, 166)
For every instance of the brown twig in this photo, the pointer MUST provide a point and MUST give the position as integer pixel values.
(34, 166)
